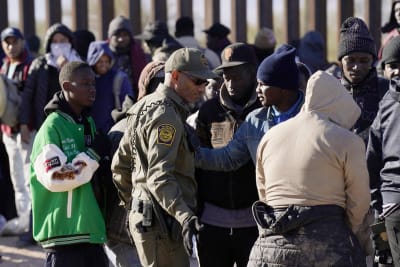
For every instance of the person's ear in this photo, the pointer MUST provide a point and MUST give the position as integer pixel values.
(175, 75)
(66, 85)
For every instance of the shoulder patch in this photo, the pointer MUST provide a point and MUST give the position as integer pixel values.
(51, 163)
(166, 134)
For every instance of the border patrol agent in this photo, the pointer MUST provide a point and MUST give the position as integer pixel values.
(153, 167)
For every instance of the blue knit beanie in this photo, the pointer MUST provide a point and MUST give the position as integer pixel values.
(280, 69)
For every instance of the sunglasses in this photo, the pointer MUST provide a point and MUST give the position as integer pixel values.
(195, 80)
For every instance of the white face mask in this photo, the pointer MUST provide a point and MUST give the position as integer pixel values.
(60, 49)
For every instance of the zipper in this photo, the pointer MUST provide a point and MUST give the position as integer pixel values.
(69, 204)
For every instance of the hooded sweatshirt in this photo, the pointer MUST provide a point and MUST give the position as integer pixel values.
(72, 55)
(313, 158)
(131, 60)
(105, 87)
(42, 81)
(64, 207)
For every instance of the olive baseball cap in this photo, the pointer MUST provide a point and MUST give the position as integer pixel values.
(191, 61)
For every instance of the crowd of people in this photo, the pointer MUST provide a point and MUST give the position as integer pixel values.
(152, 150)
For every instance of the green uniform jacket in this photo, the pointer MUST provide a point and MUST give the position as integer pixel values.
(162, 160)
(64, 207)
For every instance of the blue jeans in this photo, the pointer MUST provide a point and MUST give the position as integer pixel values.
(392, 224)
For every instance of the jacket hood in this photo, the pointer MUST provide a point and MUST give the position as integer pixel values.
(325, 95)
(96, 50)
(59, 103)
(57, 28)
(119, 23)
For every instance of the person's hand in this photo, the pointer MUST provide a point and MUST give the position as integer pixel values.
(190, 228)
(25, 133)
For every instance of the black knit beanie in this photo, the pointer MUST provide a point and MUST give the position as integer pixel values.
(391, 51)
(280, 69)
(355, 37)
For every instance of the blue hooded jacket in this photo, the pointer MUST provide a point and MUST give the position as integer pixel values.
(105, 101)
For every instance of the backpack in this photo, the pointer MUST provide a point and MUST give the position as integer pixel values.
(10, 101)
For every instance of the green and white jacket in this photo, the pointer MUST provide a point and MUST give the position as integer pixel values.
(64, 207)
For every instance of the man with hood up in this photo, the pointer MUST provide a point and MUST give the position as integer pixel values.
(42, 81)
(129, 55)
(311, 178)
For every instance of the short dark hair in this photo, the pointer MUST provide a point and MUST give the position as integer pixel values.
(69, 69)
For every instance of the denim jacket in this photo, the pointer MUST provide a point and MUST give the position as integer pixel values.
(244, 143)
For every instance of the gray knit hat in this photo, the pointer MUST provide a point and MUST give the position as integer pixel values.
(391, 51)
(355, 37)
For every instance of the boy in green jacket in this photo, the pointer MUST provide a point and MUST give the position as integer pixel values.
(67, 220)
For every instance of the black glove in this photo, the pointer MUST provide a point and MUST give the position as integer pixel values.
(190, 228)
(101, 145)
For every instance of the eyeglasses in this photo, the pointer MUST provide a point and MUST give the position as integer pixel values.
(195, 80)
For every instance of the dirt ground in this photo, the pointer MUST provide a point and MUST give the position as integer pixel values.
(11, 256)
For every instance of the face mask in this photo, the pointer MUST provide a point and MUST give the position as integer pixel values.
(60, 49)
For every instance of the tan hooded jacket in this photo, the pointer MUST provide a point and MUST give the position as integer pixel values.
(313, 158)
